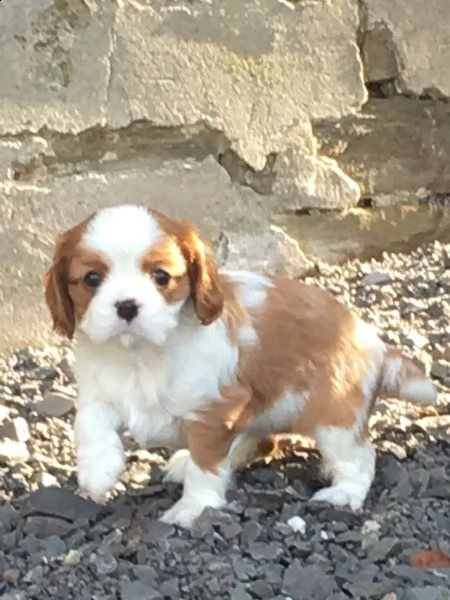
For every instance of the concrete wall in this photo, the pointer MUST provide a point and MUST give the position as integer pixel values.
(239, 114)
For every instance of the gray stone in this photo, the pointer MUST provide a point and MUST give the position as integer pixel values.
(440, 592)
(59, 502)
(230, 529)
(54, 405)
(412, 575)
(251, 531)
(16, 430)
(170, 589)
(392, 471)
(152, 530)
(239, 593)
(104, 562)
(376, 278)
(53, 546)
(9, 517)
(306, 583)
(145, 573)
(244, 569)
(380, 550)
(349, 537)
(261, 589)
(13, 596)
(134, 590)
(265, 551)
(45, 527)
(440, 369)
(369, 590)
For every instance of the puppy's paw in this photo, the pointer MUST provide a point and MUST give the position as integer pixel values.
(343, 494)
(184, 512)
(99, 471)
(175, 468)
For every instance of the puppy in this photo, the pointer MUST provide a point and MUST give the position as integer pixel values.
(208, 362)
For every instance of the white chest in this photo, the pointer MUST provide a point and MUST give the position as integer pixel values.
(155, 389)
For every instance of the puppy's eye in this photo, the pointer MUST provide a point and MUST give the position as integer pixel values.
(161, 277)
(92, 279)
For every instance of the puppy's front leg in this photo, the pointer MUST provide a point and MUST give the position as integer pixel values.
(205, 470)
(100, 453)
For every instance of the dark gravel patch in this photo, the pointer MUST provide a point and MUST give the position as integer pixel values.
(54, 544)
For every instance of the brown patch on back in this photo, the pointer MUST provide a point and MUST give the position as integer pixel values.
(307, 344)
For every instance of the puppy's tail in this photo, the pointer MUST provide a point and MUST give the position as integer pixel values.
(403, 379)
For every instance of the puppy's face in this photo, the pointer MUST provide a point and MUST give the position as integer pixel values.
(128, 272)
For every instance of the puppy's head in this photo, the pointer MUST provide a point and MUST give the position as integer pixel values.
(128, 270)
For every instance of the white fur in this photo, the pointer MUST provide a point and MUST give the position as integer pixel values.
(202, 489)
(367, 338)
(418, 390)
(351, 466)
(100, 454)
(391, 373)
(152, 374)
(252, 287)
(175, 469)
(281, 415)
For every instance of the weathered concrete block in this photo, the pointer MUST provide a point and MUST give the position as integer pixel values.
(253, 70)
(420, 33)
(260, 84)
(393, 147)
(55, 68)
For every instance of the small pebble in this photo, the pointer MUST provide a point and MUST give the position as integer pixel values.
(297, 524)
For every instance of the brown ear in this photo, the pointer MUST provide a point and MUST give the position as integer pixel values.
(57, 295)
(206, 289)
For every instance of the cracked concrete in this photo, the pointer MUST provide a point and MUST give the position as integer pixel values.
(246, 117)
(421, 40)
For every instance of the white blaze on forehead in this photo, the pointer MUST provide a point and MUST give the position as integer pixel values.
(122, 231)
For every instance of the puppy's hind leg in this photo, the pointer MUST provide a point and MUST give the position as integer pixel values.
(349, 460)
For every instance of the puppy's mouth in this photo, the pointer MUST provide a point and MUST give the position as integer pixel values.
(127, 339)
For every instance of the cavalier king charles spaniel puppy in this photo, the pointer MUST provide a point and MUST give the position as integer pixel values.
(209, 362)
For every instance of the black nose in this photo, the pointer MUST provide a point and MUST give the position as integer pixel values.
(127, 310)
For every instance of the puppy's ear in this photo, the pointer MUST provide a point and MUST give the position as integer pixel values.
(205, 284)
(56, 281)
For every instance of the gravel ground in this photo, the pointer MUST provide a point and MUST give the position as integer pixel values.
(54, 544)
